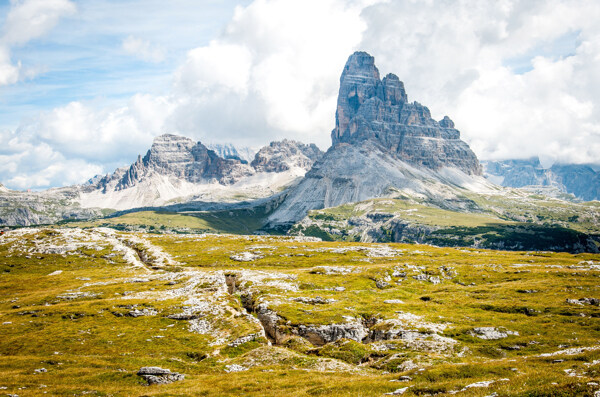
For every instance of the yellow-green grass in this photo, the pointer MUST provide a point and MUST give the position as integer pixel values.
(88, 347)
(237, 221)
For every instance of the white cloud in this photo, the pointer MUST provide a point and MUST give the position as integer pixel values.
(30, 19)
(9, 73)
(453, 58)
(214, 68)
(274, 72)
(27, 20)
(143, 49)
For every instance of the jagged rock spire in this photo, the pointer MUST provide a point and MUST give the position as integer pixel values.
(369, 108)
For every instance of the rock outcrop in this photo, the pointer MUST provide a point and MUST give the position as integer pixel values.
(185, 160)
(159, 376)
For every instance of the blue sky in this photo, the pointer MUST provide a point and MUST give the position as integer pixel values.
(85, 86)
(82, 59)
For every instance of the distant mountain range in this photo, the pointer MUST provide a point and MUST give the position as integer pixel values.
(175, 169)
(582, 181)
(392, 173)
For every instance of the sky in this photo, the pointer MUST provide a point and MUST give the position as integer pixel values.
(85, 85)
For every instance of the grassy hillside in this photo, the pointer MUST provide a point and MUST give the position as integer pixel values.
(239, 221)
(486, 221)
(82, 310)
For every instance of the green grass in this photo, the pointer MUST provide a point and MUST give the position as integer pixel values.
(90, 344)
(235, 221)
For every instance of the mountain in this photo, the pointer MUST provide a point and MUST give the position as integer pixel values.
(285, 155)
(378, 111)
(232, 152)
(580, 180)
(392, 174)
(382, 142)
(175, 170)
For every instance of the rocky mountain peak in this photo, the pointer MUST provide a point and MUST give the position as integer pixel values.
(283, 155)
(359, 82)
(378, 110)
(169, 149)
(182, 158)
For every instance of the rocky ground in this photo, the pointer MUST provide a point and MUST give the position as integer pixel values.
(100, 312)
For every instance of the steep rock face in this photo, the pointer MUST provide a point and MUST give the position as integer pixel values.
(381, 143)
(378, 110)
(580, 180)
(284, 155)
(186, 160)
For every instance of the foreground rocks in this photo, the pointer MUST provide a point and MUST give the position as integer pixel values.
(159, 376)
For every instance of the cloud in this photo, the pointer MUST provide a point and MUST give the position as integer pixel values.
(25, 21)
(519, 78)
(37, 165)
(273, 72)
(457, 58)
(9, 73)
(30, 19)
(70, 144)
(143, 49)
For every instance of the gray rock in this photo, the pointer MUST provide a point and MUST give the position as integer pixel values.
(246, 257)
(153, 371)
(381, 284)
(378, 110)
(184, 159)
(393, 301)
(158, 376)
(286, 154)
(320, 335)
(584, 301)
(235, 368)
(270, 320)
(491, 333)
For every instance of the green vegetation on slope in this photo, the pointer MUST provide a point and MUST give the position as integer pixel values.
(72, 302)
(495, 222)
